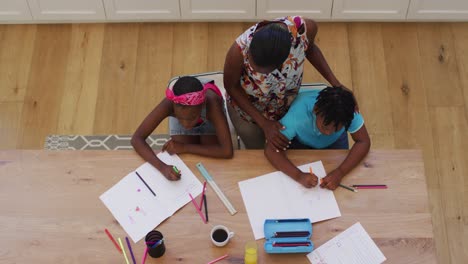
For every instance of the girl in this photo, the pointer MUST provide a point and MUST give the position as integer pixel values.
(197, 124)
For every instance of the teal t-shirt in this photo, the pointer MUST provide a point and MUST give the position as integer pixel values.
(300, 122)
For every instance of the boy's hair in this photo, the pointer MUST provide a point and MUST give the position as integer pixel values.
(271, 45)
(337, 106)
(187, 84)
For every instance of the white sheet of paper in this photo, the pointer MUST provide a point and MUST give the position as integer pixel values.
(352, 246)
(276, 195)
(137, 209)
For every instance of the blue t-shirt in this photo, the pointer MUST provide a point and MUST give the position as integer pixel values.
(300, 122)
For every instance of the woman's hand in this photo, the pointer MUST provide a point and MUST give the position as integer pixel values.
(271, 129)
(169, 172)
(332, 180)
(173, 147)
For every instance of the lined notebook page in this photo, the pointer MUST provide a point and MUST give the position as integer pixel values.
(352, 246)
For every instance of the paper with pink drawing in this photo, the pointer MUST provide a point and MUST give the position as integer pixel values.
(134, 206)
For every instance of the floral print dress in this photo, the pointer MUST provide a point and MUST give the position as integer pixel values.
(273, 93)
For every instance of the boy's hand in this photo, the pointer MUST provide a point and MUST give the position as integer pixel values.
(173, 147)
(308, 180)
(169, 172)
(332, 180)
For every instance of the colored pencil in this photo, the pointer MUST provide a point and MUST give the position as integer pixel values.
(145, 253)
(130, 249)
(175, 169)
(123, 250)
(153, 242)
(291, 220)
(348, 188)
(113, 240)
(369, 186)
(157, 243)
(144, 183)
(198, 209)
(202, 194)
(218, 259)
(291, 244)
(292, 234)
(206, 207)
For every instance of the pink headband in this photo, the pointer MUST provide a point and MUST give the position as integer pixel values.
(193, 98)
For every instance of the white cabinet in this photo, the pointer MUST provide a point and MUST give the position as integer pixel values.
(142, 9)
(218, 9)
(14, 10)
(314, 9)
(370, 9)
(438, 10)
(67, 10)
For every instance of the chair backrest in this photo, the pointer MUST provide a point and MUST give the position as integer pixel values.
(312, 86)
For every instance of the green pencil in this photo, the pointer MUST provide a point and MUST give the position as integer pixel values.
(348, 188)
(175, 169)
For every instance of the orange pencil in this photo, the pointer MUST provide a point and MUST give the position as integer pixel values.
(311, 173)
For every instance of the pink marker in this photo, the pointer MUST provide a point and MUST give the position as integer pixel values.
(203, 193)
(197, 208)
(144, 255)
(218, 259)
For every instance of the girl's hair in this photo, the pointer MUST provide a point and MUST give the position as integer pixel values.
(187, 84)
(270, 45)
(337, 106)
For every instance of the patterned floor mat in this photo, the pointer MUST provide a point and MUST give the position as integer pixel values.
(100, 142)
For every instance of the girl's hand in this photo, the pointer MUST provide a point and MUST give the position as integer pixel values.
(308, 180)
(169, 172)
(173, 147)
(332, 180)
(271, 129)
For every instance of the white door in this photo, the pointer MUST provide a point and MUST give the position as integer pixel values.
(14, 10)
(370, 9)
(314, 9)
(142, 9)
(218, 9)
(66, 10)
(438, 10)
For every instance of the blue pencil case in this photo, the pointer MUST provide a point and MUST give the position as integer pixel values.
(288, 236)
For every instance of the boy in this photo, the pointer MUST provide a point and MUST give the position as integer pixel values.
(320, 119)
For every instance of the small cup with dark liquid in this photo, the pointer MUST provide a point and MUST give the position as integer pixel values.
(220, 235)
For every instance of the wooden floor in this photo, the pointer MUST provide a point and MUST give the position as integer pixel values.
(411, 81)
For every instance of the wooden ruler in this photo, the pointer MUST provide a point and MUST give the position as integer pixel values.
(215, 187)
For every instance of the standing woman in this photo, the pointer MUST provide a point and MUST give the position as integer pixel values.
(263, 73)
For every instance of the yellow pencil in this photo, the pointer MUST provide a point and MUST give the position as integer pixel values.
(123, 250)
